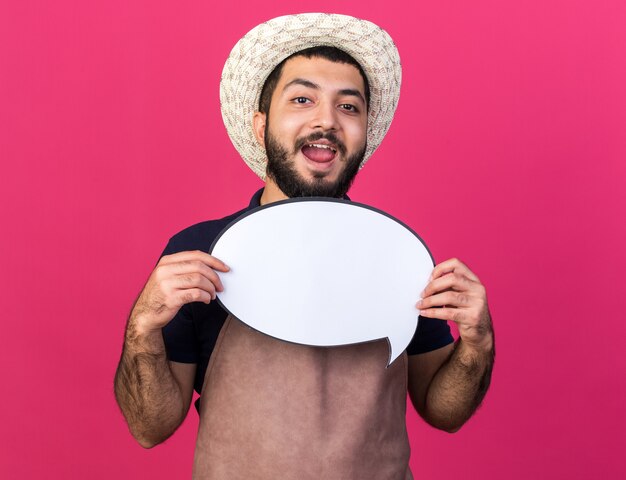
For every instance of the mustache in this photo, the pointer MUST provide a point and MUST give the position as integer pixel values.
(330, 136)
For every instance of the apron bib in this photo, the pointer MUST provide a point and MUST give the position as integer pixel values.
(271, 409)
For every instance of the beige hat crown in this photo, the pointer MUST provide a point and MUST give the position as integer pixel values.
(256, 55)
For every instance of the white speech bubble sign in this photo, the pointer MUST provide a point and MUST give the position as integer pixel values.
(324, 272)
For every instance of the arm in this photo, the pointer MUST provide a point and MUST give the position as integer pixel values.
(447, 385)
(154, 394)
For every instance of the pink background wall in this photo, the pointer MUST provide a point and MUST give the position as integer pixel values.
(508, 150)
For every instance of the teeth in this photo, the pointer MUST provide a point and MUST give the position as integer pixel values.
(319, 145)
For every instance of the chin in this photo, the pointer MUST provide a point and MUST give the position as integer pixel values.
(326, 177)
(298, 179)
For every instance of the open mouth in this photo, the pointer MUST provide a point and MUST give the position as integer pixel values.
(319, 152)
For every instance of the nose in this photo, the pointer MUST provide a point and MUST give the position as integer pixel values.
(325, 116)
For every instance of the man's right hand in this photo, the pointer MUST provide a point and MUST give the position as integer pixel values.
(153, 395)
(177, 279)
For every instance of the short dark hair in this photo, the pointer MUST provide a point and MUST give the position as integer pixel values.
(332, 54)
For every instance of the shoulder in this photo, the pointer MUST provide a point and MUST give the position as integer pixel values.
(201, 235)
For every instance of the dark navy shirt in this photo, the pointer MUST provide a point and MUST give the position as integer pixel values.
(192, 333)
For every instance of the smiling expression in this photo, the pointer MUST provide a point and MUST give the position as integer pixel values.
(315, 131)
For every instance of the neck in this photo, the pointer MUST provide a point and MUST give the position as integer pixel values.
(271, 192)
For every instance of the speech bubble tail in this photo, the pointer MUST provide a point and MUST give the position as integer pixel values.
(398, 341)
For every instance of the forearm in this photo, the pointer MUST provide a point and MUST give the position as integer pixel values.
(459, 386)
(145, 389)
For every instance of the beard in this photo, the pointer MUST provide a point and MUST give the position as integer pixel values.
(283, 170)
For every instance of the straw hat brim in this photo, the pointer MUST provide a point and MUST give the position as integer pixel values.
(256, 55)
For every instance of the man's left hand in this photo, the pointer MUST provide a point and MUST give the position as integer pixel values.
(455, 293)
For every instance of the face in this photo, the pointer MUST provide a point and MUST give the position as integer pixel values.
(315, 135)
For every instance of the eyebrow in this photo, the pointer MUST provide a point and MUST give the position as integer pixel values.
(309, 84)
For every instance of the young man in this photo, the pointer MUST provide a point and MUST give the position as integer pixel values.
(306, 100)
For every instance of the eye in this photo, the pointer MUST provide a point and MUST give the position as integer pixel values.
(301, 100)
(349, 107)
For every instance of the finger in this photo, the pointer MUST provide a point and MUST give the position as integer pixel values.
(186, 256)
(448, 298)
(191, 281)
(214, 278)
(454, 281)
(215, 263)
(193, 295)
(444, 313)
(453, 265)
(188, 267)
(196, 266)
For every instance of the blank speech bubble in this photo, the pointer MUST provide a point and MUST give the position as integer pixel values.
(324, 272)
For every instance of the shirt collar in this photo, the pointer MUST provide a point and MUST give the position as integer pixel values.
(256, 199)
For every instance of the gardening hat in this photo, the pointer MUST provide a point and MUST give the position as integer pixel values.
(256, 55)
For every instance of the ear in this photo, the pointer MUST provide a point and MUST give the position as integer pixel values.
(258, 125)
